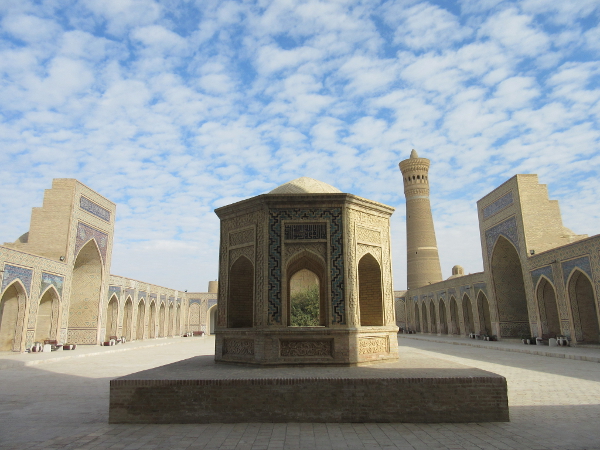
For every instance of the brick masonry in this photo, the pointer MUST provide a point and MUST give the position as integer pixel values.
(197, 390)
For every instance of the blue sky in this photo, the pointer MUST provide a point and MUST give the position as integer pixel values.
(174, 108)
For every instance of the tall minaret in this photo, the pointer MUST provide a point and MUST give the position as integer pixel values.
(423, 261)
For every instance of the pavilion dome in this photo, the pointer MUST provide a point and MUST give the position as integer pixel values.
(305, 185)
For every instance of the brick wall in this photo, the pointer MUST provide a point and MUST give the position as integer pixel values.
(241, 293)
(369, 292)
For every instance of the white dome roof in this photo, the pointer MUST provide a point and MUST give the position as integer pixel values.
(305, 185)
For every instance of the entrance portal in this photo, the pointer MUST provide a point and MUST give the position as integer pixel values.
(585, 316)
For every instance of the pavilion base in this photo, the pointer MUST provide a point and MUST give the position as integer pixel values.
(415, 389)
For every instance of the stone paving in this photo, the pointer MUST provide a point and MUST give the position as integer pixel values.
(63, 404)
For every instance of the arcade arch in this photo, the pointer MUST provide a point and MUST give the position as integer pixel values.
(454, 322)
(443, 318)
(178, 321)
(370, 296)
(507, 276)
(433, 316)
(141, 312)
(583, 308)
(86, 286)
(14, 296)
(171, 320)
(46, 326)
(417, 319)
(468, 315)
(161, 321)
(128, 319)
(112, 313)
(483, 307)
(548, 310)
(240, 302)
(424, 320)
(152, 321)
(194, 317)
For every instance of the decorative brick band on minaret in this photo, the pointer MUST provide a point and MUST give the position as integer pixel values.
(423, 261)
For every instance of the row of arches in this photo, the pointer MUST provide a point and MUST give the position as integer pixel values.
(511, 300)
(240, 301)
(426, 316)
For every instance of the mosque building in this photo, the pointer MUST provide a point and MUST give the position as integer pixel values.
(539, 279)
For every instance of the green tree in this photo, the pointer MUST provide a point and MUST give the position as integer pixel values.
(305, 308)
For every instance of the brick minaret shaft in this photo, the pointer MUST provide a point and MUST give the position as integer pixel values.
(423, 261)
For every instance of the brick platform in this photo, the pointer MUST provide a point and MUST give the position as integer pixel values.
(415, 389)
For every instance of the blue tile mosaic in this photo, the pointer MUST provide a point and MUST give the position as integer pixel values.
(85, 233)
(171, 299)
(582, 263)
(195, 300)
(12, 273)
(129, 293)
(141, 294)
(212, 302)
(50, 279)
(498, 205)
(93, 208)
(334, 215)
(537, 273)
(508, 229)
(480, 287)
(114, 290)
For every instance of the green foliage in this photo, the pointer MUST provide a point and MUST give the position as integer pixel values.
(305, 308)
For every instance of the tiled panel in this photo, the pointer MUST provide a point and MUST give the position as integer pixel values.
(508, 229)
(334, 215)
(498, 205)
(582, 263)
(85, 233)
(537, 273)
(12, 273)
(91, 207)
(50, 279)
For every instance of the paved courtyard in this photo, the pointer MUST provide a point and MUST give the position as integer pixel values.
(63, 403)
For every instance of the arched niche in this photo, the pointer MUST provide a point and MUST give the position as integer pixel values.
(370, 298)
(128, 319)
(433, 317)
(306, 279)
(240, 302)
(583, 308)
(483, 307)
(178, 321)
(417, 318)
(424, 318)
(84, 303)
(46, 326)
(454, 321)
(548, 310)
(112, 315)
(13, 299)
(140, 324)
(443, 318)
(468, 315)
(162, 319)
(152, 320)
(507, 276)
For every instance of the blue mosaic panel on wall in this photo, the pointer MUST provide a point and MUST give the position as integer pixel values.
(452, 291)
(212, 302)
(141, 294)
(114, 290)
(50, 279)
(171, 299)
(465, 289)
(12, 273)
(498, 205)
(195, 300)
(537, 273)
(130, 293)
(508, 229)
(93, 208)
(334, 215)
(480, 286)
(85, 233)
(582, 263)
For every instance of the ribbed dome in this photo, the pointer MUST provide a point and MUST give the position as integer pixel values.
(305, 185)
